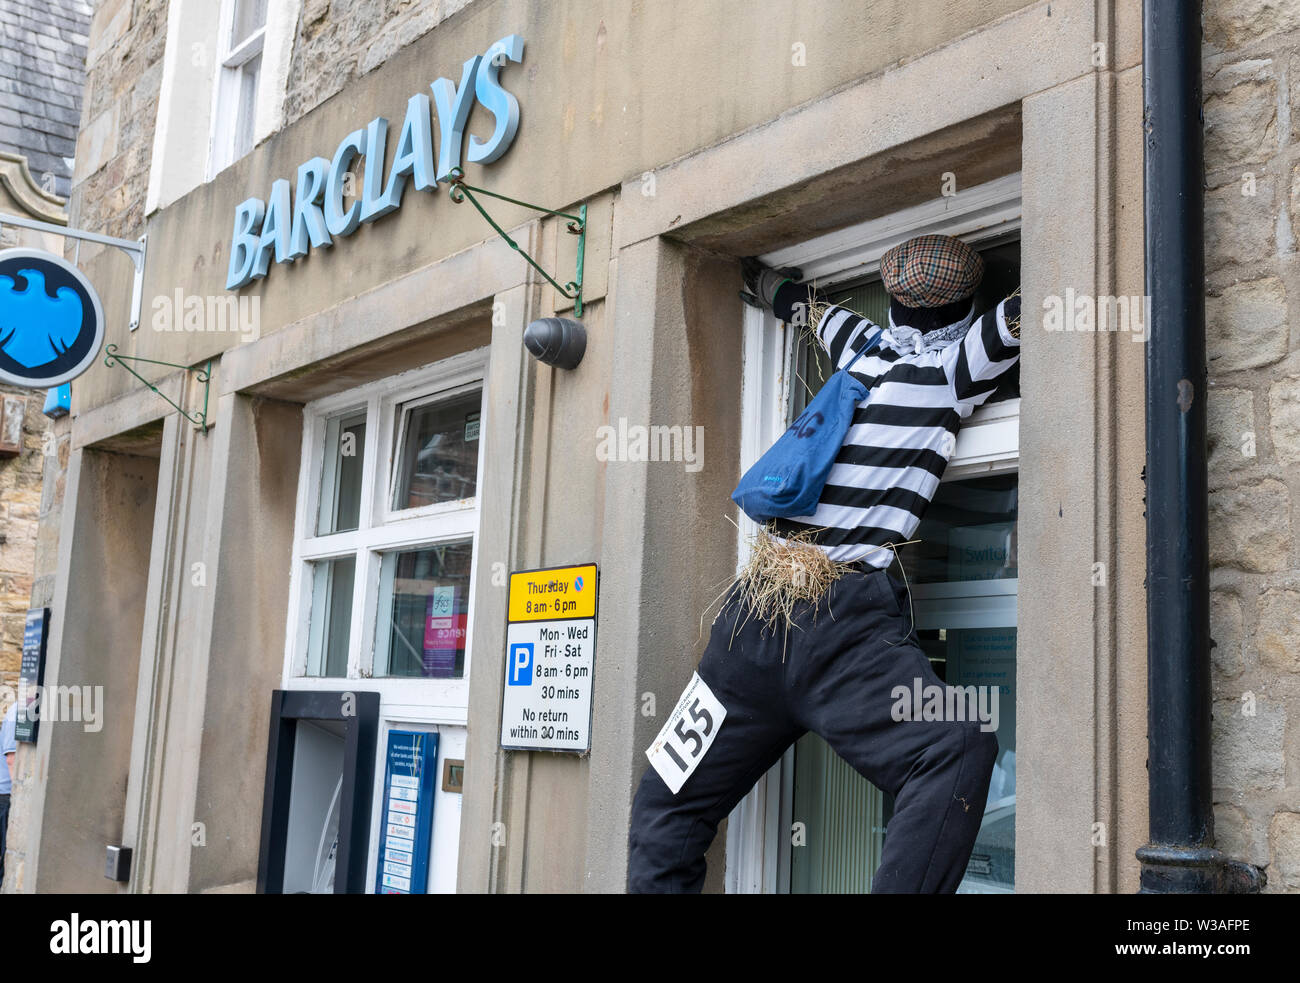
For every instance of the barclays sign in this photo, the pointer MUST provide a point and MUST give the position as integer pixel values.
(287, 226)
(51, 319)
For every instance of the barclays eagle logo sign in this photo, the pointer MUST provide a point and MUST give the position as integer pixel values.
(51, 321)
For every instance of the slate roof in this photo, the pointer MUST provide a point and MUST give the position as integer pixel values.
(42, 71)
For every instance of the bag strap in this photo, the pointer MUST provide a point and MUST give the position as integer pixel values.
(865, 349)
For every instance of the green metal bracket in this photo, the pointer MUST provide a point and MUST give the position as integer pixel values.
(577, 226)
(204, 375)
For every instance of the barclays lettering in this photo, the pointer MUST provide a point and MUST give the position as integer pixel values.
(313, 213)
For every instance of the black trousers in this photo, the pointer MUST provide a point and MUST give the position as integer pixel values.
(833, 674)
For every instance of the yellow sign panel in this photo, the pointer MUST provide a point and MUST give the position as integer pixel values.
(553, 594)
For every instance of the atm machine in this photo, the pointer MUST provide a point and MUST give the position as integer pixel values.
(320, 760)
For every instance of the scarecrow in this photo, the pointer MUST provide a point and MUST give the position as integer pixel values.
(815, 634)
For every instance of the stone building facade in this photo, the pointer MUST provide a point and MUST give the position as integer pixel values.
(1252, 134)
(662, 268)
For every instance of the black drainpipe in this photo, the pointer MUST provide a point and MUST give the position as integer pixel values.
(1180, 857)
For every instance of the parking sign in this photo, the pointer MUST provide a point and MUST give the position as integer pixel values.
(550, 656)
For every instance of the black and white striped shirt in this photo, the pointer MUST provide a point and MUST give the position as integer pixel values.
(903, 432)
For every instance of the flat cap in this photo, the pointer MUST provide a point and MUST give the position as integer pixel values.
(931, 270)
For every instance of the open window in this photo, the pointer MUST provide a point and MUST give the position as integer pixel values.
(962, 573)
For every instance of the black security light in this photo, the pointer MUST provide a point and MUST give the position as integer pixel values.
(556, 341)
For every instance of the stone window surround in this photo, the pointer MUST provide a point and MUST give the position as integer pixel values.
(183, 136)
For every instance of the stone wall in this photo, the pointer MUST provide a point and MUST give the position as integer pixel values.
(1252, 200)
(111, 175)
(118, 111)
(20, 507)
(339, 40)
(39, 485)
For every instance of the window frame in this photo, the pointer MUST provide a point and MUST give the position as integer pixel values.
(380, 530)
(384, 508)
(226, 88)
(758, 842)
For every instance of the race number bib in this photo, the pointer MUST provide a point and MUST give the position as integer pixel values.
(688, 734)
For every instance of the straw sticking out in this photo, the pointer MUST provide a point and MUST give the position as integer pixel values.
(816, 309)
(782, 573)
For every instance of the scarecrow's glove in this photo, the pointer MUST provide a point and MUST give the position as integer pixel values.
(762, 282)
(1011, 311)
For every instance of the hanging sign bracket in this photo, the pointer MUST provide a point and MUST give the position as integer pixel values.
(204, 375)
(577, 225)
(135, 249)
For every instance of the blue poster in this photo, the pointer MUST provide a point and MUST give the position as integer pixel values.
(411, 766)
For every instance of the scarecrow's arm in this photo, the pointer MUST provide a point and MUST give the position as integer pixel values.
(976, 362)
(839, 330)
(799, 305)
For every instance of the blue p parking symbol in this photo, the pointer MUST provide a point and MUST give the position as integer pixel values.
(521, 664)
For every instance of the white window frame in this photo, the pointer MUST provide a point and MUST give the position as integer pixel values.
(758, 842)
(380, 530)
(225, 91)
(384, 511)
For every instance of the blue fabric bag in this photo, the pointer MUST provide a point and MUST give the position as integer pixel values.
(788, 479)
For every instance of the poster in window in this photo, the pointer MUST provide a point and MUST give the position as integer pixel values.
(444, 631)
